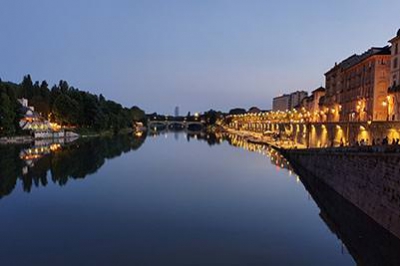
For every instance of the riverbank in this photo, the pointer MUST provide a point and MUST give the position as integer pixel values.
(79, 133)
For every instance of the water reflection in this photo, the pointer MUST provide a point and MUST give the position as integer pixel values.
(59, 162)
(368, 242)
(34, 166)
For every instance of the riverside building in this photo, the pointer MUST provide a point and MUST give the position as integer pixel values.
(288, 101)
(281, 103)
(394, 89)
(356, 88)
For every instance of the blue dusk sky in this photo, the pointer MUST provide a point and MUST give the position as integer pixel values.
(193, 54)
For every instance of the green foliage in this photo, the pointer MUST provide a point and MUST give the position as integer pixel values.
(7, 115)
(9, 110)
(211, 117)
(65, 105)
(237, 111)
(66, 110)
(138, 114)
(10, 168)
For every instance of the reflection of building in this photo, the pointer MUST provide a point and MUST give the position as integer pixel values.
(394, 90)
(276, 158)
(288, 101)
(356, 88)
(31, 154)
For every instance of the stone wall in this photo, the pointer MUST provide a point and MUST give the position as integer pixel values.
(367, 241)
(369, 180)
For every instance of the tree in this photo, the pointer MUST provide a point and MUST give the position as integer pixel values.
(237, 111)
(65, 105)
(65, 110)
(212, 116)
(138, 115)
(7, 115)
(26, 87)
(63, 85)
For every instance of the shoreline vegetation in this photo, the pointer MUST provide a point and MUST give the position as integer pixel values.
(71, 109)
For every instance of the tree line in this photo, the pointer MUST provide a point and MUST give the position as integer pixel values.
(65, 105)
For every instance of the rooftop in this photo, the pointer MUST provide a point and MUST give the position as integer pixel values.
(356, 59)
(320, 89)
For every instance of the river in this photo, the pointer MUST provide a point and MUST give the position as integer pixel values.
(171, 199)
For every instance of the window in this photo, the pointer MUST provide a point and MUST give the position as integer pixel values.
(396, 48)
(395, 63)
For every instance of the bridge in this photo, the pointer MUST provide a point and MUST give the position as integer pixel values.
(161, 125)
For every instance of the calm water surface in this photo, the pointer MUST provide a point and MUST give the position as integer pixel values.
(167, 201)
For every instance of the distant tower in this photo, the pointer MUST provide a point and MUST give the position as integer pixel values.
(176, 111)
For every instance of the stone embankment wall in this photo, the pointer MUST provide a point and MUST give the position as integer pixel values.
(367, 178)
(367, 241)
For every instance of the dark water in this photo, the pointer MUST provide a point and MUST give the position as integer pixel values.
(165, 201)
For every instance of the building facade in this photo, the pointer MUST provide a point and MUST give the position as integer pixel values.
(281, 103)
(394, 89)
(296, 98)
(316, 107)
(355, 88)
(288, 101)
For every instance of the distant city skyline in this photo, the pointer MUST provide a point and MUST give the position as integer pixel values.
(197, 55)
